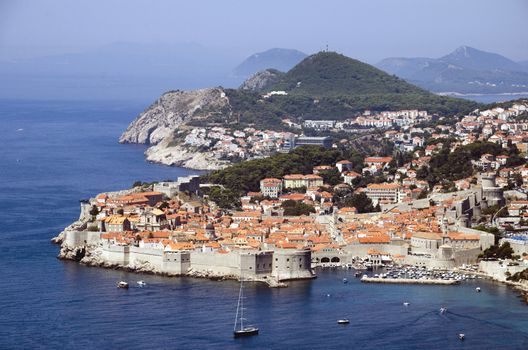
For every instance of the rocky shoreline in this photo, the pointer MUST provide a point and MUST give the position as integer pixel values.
(177, 155)
(521, 288)
(173, 110)
(91, 256)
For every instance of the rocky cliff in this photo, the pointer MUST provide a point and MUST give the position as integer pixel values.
(262, 80)
(168, 153)
(158, 124)
(171, 110)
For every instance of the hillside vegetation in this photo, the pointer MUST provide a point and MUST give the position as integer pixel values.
(332, 86)
(451, 166)
(246, 176)
(335, 75)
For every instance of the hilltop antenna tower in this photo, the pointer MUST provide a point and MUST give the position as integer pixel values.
(326, 47)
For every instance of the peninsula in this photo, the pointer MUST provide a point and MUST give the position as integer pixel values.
(214, 127)
(332, 163)
(443, 202)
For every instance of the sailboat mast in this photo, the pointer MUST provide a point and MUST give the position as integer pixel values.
(238, 306)
(241, 305)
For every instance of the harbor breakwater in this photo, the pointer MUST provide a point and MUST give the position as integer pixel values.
(409, 281)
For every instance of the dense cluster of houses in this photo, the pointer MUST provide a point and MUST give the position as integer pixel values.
(151, 220)
(383, 120)
(244, 144)
(171, 222)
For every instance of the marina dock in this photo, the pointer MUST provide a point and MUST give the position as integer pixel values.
(409, 281)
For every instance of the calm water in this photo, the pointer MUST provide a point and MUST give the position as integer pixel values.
(53, 154)
(493, 98)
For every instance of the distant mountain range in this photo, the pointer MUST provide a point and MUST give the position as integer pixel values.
(143, 71)
(280, 59)
(465, 70)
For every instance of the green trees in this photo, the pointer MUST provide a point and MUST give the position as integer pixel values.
(361, 202)
(246, 176)
(456, 165)
(518, 276)
(331, 177)
(494, 230)
(94, 210)
(341, 86)
(494, 210)
(294, 208)
(224, 198)
(505, 251)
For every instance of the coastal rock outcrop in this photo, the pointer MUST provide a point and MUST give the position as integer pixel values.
(173, 154)
(76, 225)
(158, 125)
(170, 111)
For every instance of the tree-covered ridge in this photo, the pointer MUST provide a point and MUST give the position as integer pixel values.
(333, 74)
(246, 176)
(328, 85)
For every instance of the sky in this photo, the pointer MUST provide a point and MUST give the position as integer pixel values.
(369, 30)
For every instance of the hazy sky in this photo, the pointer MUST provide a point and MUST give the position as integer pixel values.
(366, 29)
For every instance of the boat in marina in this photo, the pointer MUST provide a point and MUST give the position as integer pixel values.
(141, 283)
(122, 284)
(242, 331)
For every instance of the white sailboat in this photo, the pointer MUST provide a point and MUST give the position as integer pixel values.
(243, 331)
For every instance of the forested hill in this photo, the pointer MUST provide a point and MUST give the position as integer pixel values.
(329, 74)
(328, 85)
(246, 176)
(325, 85)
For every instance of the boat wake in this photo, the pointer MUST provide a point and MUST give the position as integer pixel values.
(490, 323)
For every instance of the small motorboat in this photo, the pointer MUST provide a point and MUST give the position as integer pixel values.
(357, 274)
(443, 310)
(246, 332)
(343, 321)
(141, 283)
(406, 303)
(122, 284)
(345, 280)
(477, 289)
(461, 336)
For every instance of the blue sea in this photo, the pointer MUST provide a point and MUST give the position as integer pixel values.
(54, 153)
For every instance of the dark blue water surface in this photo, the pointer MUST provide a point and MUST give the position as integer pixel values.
(53, 154)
